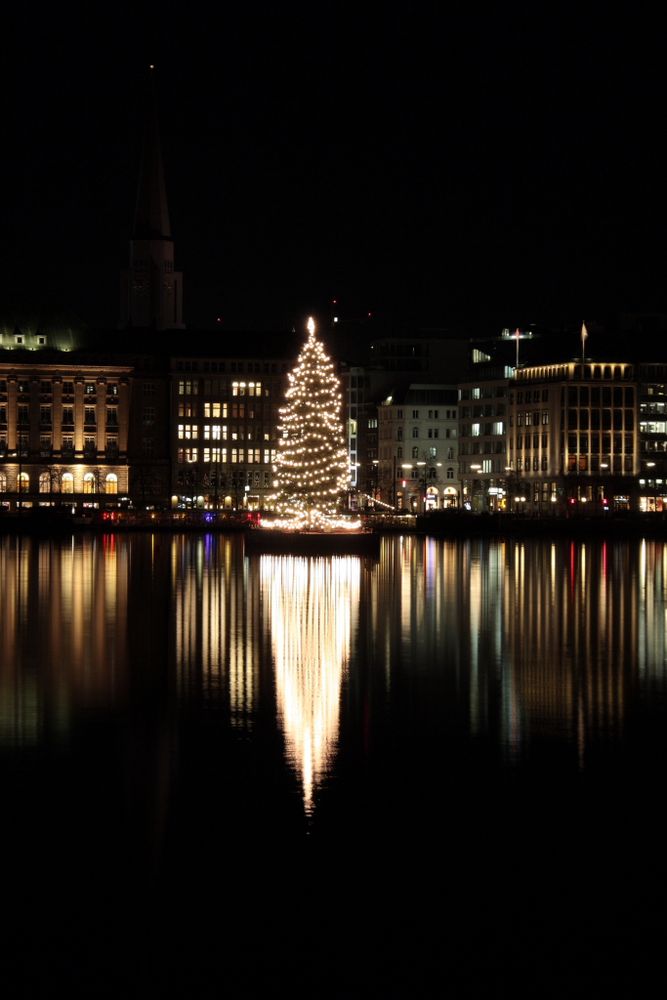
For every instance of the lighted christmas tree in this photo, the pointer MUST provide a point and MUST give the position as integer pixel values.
(312, 465)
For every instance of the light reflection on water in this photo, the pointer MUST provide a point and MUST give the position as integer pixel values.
(312, 607)
(519, 642)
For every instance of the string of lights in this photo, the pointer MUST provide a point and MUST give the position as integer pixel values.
(312, 464)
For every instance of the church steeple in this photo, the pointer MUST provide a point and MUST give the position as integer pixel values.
(151, 293)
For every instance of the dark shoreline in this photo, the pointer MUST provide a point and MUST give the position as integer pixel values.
(445, 524)
(617, 526)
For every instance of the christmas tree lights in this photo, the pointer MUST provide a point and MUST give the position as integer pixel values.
(312, 464)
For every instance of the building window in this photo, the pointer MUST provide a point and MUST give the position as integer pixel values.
(215, 432)
(89, 389)
(67, 483)
(415, 432)
(215, 455)
(186, 387)
(450, 473)
(89, 415)
(3, 482)
(188, 432)
(111, 483)
(415, 452)
(215, 410)
(23, 482)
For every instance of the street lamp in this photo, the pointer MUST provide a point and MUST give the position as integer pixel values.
(474, 468)
(422, 485)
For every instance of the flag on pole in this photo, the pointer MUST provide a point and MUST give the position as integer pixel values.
(584, 335)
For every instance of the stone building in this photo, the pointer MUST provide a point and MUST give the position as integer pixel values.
(418, 448)
(63, 431)
(573, 437)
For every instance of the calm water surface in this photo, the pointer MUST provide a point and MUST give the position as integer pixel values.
(442, 771)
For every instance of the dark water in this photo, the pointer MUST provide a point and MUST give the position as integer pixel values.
(440, 774)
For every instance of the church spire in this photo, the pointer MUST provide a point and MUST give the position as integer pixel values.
(151, 219)
(151, 290)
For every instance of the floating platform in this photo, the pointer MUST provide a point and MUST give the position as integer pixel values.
(315, 543)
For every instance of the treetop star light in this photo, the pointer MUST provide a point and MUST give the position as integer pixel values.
(312, 464)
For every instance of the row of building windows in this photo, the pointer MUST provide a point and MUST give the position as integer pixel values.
(235, 367)
(190, 387)
(264, 456)
(66, 416)
(431, 432)
(217, 411)
(432, 452)
(46, 388)
(221, 432)
(50, 482)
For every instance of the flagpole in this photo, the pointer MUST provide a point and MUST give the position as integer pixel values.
(517, 346)
(584, 335)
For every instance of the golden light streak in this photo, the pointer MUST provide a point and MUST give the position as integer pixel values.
(312, 605)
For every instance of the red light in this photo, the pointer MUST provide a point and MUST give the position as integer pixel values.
(334, 302)
(572, 500)
(370, 314)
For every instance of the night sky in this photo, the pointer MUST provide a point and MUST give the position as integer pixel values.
(431, 166)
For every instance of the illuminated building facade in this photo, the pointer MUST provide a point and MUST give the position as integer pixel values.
(653, 438)
(483, 425)
(573, 437)
(223, 427)
(63, 432)
(418, 453)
